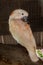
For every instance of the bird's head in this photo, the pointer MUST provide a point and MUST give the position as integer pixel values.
(19, 14)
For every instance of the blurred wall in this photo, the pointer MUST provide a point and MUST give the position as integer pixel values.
(41, 4)
(7, 6)
(34, 8)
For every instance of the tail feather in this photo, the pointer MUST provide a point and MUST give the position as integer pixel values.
(33, 56)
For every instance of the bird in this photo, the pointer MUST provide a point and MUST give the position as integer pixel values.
(22, 33)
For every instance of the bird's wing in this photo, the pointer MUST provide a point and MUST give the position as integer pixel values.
(22, 33)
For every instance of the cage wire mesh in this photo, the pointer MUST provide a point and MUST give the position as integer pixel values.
(34, 9)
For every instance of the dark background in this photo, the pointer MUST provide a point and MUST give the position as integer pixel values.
(35, 10)
(32, 6)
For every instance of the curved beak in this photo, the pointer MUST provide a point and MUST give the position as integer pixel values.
(25, 18)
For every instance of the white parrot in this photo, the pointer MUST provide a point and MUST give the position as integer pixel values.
(22, 32)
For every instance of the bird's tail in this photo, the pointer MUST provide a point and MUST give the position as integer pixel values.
(33, 55)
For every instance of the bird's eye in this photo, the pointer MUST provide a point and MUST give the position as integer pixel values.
(22, 13)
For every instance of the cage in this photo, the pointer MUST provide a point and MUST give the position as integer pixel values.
(35, 9)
